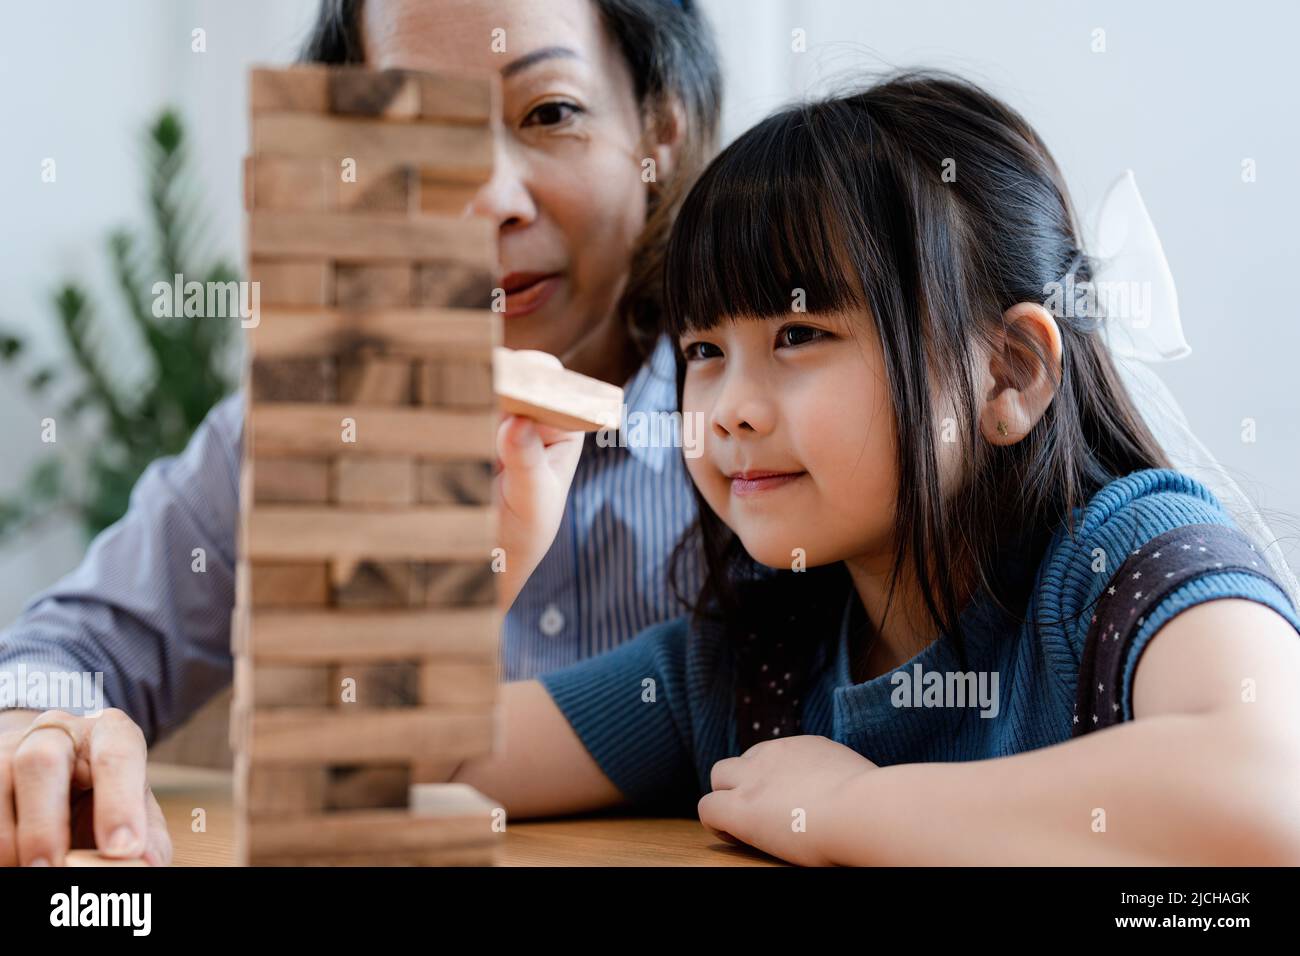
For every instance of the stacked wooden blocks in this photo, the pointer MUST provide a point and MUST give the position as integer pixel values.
(366, 628)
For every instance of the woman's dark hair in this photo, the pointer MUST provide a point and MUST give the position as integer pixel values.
(934, 207)
(670, 52)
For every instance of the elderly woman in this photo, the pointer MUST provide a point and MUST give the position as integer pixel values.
(591, 89)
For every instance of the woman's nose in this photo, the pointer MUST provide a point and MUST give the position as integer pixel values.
(505, 198)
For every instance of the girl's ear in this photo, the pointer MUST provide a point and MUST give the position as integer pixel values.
(1022, 373)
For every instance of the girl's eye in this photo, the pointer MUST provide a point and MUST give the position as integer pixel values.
(793, 335)
(551, 113)
(696, 350)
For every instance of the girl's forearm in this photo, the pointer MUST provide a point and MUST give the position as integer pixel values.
(1172, 789)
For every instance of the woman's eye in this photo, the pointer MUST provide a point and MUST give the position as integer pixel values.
(552, 113)
(799, 335)
(700, 350)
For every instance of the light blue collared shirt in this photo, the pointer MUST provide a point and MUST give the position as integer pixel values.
(135, 610)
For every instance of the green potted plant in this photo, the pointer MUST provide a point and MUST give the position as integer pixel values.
(123, 426)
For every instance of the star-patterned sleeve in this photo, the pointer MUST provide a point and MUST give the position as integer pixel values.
(1146, 548)
(628, 706)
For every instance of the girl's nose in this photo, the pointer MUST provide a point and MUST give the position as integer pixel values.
(505, 198)
(742, 409)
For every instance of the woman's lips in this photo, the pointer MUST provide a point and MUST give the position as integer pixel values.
(528, 293)
(757, 482)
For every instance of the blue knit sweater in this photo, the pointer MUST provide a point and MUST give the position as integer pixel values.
(657, 712)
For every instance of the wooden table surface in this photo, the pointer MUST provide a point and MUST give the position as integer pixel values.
(574, 841)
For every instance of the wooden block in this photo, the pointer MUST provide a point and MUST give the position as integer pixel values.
(453, 285)
(346, 734)
(287, 182)
(240, 614)
(242, 587)
(433, 771)
(373, 831)
(484, 855)
(526, 384)
(448, 800)
(442, 198)
(459, 584)
(294, 380)
(303, 88)
(387, 684)
(283, 282)
(383, 482)
(415, 333)
(82, 858)
(438, 434)
(431, 533)
(380, 188)
(283, 685)
(240, 724)
(291, 480)
(380, 584)
(453, 483)
(443, 684)
(394, 94)
(269, 791)
(288, 584)
(374, 286)
(292, 686)
(472, 98)
(368, 788)
(459, 153)
(456, 384)
(342, 569)
(371, 237)
(375, 381)
(326, 635)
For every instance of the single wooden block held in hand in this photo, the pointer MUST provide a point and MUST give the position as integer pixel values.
(528, 384)
(93, 858)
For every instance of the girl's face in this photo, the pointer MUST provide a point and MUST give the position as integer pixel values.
(566, 191)
(798, 449)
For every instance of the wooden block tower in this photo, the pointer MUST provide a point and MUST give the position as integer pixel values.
(365, 630)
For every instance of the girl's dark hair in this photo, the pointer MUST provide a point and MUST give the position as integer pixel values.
(670, 52)
(935, 207)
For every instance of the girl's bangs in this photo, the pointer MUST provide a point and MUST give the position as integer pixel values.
(767, 230)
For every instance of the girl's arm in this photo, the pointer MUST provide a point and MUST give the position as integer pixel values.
(540, 768)
(1201, 775)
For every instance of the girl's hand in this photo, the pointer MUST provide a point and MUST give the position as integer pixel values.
(756, 797)
(537, 463)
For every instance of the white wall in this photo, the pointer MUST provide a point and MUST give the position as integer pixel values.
(1183, 93)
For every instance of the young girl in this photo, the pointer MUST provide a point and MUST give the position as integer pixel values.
(957, 608)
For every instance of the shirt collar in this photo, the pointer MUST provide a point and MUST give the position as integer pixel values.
(651, 391)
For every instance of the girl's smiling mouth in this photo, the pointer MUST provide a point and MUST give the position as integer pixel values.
(746, 483)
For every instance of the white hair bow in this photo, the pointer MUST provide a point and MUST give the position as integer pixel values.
(1132, 292)
(1132, 281)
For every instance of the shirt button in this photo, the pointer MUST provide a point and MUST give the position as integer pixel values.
(552, 621)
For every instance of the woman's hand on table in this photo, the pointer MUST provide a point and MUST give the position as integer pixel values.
(82, 789)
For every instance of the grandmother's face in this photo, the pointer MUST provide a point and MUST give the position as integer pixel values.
(566, 193)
